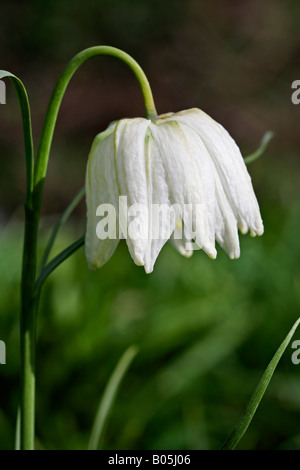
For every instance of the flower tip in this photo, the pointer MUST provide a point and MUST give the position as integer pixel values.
(257, 231)
(211, 252)
(243, 228)
(148, 267)
(93, 266)
(136, 254)
(260, 231)
(147, 264)
(138, 261)
(148, 270)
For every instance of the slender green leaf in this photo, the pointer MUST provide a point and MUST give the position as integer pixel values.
(108, 398)
(57, 261)
(26, 119)
(246, 418)
(18, 430)
(262, 147)
(60, 222)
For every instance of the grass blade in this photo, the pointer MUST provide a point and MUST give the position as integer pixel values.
(246, 418)
(27, 131)
(64, 217)
(108, 398)
(60, 258)
(262, 147)
(18, 430)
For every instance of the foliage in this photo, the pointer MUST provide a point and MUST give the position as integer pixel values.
(206, 331)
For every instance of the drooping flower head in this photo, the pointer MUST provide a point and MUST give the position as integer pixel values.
(185, 162)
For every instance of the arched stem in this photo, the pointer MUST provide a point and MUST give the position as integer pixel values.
(35, 183)
(28, 305)
(57, 96)
(27, 131)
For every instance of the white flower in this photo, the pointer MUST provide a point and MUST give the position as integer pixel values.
(183, 158)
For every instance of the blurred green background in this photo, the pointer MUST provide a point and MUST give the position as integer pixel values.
(206, 329)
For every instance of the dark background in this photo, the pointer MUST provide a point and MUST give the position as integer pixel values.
(206, 330)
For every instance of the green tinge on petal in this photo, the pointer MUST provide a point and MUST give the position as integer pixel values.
(100, 189)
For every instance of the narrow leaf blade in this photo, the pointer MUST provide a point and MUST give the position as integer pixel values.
(108, 398)
(261, 149)
(59, 259)
(26, 119)
(64, 217)
(246, 418)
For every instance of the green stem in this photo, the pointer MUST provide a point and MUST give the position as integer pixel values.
(36, 174)
(28, 331)
(57, 96)
(28, 305)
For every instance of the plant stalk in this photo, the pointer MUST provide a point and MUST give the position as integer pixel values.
(28, 331)
(36, 174)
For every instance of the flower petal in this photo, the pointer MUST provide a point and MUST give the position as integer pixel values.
(178, 239)
(225, 223)
(230, 166)
(188, 172)
(100, 189)
(162, 218)
(129, 143)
